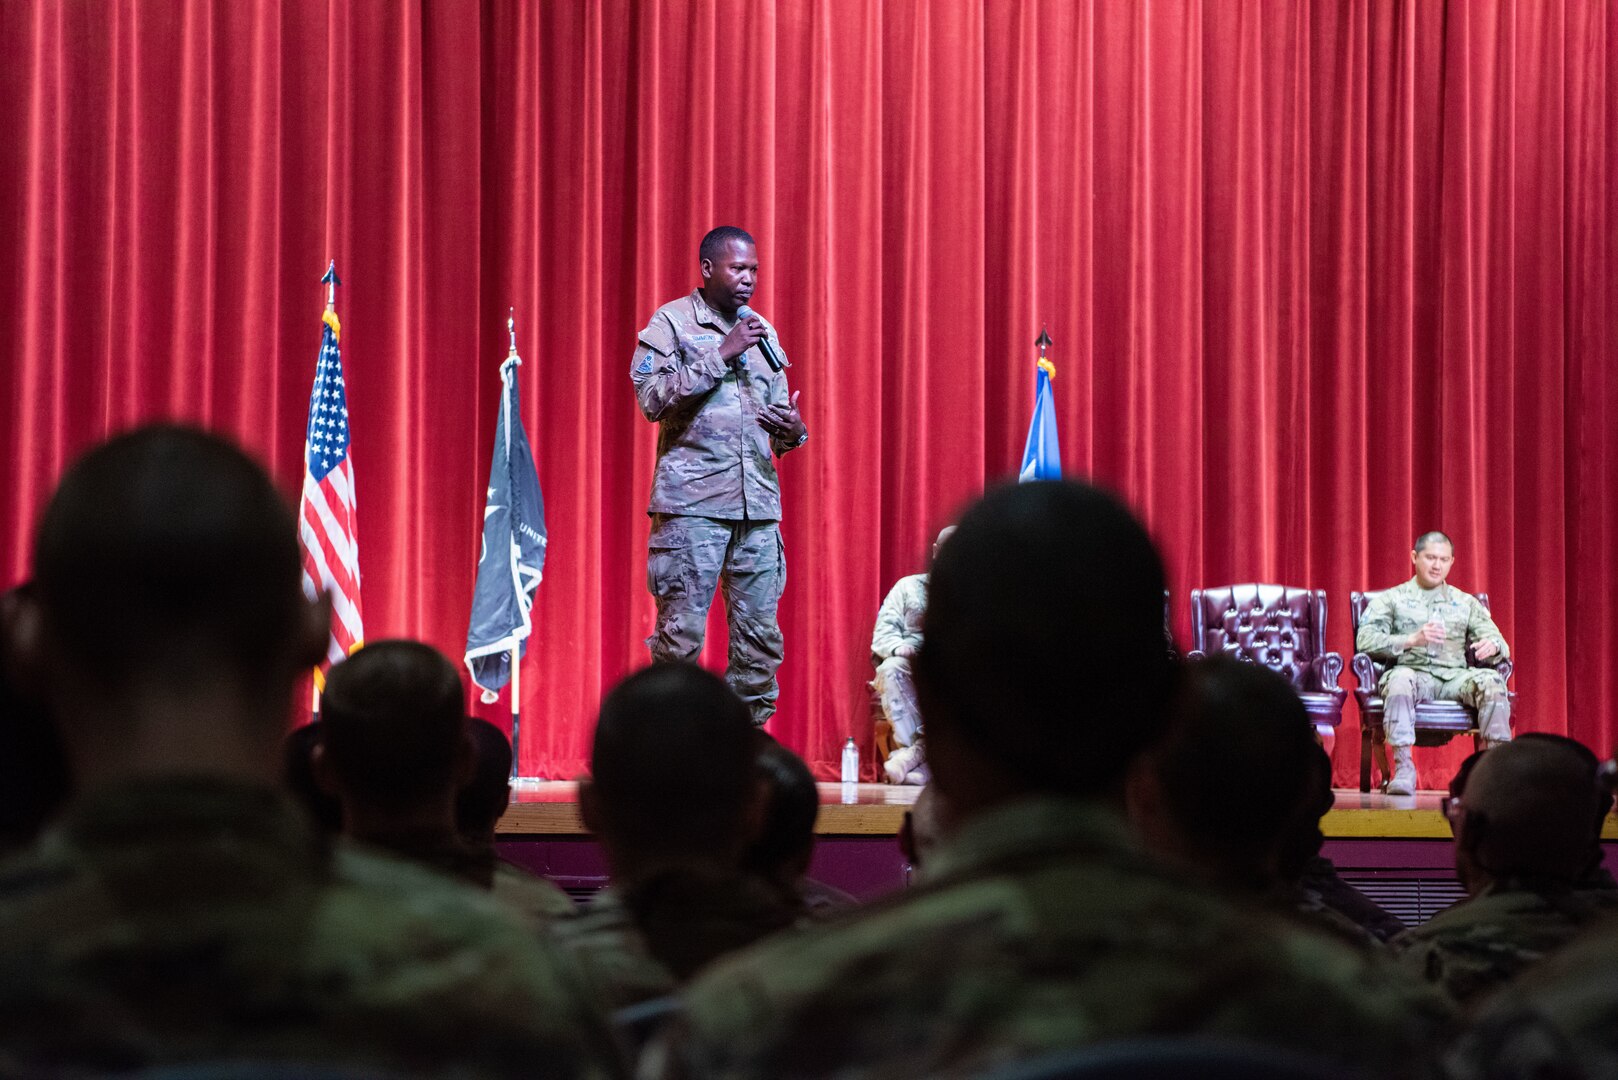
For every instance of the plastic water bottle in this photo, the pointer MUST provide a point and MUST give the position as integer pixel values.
(851, 762)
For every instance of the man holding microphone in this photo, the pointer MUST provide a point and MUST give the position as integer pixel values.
(711, 374)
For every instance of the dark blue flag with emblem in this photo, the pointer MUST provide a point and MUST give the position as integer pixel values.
(512, 559)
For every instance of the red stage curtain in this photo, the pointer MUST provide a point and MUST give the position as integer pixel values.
(1320, 276)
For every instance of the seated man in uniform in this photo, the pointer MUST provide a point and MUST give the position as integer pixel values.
(893, 643)
(182, 909)
(1525, 826)
(1422, 630)
(1040, 924)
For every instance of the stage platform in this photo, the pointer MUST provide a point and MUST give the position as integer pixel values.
(542, 808)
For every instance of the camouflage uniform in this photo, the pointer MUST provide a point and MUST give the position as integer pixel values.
(1413, 676)
(898, 622)
(1039, 926)
(1559, 1020)
(716, 500)
(643, 942)
(1479, 944)
(191, 920)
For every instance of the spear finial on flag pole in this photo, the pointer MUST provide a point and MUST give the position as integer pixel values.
(1042, 456)
(511, 328)
(331, 281)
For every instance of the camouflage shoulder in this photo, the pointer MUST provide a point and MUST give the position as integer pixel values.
(535, 898)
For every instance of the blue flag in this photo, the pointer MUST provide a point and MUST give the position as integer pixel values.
(1042, 457)
(513, 556)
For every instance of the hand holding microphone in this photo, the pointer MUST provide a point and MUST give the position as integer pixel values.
(745, 314)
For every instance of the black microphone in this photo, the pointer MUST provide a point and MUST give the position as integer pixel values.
(773, 357)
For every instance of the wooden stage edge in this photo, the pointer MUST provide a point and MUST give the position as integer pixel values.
(551, 808)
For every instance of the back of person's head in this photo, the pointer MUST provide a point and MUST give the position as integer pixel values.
(786, 838)
(298, 774)
(1233, 720)
(1044, 618)
(34, 781)
(1531, 810)
(484, 799)
(672, 771)
(1304, 838)
(395, 726)
(167, 557)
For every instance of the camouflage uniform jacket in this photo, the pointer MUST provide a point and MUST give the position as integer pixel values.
(1479, 944)
(713, 458)
(898, 621)
(1039, 926)
(1558, 1021)
(1394, 614)
(193, 920)
(613, 953)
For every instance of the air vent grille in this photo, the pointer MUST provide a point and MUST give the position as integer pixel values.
(1411, 896)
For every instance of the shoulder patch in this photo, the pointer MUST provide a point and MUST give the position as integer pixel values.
(645, 365)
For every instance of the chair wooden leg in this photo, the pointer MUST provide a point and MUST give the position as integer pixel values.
(1365, 756)
(1379, 748)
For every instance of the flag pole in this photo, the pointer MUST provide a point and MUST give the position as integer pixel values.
(330, 280)
(516, 646)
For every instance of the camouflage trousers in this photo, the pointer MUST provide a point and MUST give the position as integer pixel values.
(896, 689)
(1479, 689)
(687, 558)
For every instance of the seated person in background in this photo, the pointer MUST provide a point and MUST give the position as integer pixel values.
(781, 853)
(1238, 720)
(394, 750)
(182, 909)
(484, 799)
(924, 826)
(893, 645)
(1305, 868)
(1525, 825)
(1040, 924)
(298, 774)
(33, 770)
(1423, 630)
(672, 797)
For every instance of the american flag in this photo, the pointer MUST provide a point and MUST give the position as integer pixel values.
(326, 529)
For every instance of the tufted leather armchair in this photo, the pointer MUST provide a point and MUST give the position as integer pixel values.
(1437, 722)
(1281, 628)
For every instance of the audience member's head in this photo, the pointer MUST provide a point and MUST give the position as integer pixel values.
(484, 799)
(33, 770)
(168, 622)
(785, 844)
(672, 772)
(1304, 838)
(925, 826)
(1530, 809)
(1235, 722)
(298, 773)
(1044, 617)
(395, 748)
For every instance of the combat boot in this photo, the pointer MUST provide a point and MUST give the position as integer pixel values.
(1403, 781)
(902, 762)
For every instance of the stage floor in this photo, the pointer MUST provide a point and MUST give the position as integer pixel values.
(550, 808)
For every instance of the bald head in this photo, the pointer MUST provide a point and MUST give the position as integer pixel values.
(1531, 809)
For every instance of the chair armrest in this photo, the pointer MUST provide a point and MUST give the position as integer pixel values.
(1505, 668)
(1328, 669)
(1194, 655)
(1364, 672)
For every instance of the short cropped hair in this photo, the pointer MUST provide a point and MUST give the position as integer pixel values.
(1045, 616)
(1431, 537)
(1238, 719)
(672, 761)
(791, 804)
(713, 245)
(166, 553)
(394, 723)
(484, 799)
